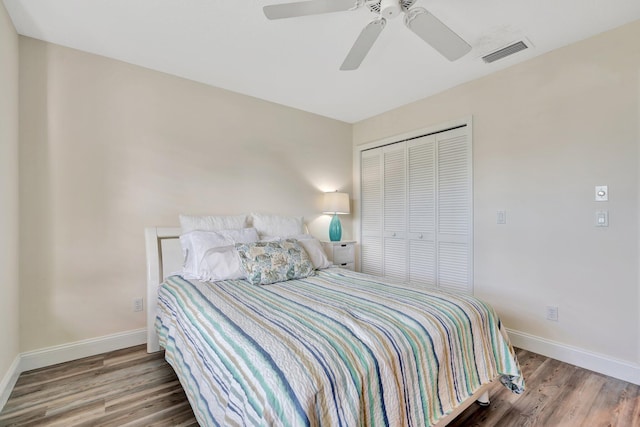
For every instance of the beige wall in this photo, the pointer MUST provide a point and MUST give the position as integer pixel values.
(108, 148)
(8, 193)
(545, 133)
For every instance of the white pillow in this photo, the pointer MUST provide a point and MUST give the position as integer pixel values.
(194, 245)
(277, 225)
(212, 223)
(316, 252)
(221, 263)
(200, 262)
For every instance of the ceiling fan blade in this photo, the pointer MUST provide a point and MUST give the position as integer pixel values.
(363, 44)
(304, 8)
(433, 31)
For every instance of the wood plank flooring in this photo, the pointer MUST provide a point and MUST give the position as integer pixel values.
(132, 388)
(125, 387)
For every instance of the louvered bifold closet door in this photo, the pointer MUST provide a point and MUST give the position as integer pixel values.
(421, 212)
(454, 210)
(371, 217)
(394, 208)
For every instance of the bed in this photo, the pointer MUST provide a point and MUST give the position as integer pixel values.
(335, 348)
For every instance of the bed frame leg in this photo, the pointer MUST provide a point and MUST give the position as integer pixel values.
(483, 400)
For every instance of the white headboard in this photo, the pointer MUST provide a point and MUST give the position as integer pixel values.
(164, 257)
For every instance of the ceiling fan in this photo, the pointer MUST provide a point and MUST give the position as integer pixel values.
(419, 20)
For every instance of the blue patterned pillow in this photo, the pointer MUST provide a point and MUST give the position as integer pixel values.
(271, 262)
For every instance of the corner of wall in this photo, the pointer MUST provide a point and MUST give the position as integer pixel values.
(9, 220)
(9, 381)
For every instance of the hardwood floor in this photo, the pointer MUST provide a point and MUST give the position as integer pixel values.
(557, 395)
(124, 387)
(130, 387)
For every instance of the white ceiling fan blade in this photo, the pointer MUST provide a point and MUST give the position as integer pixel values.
(433, 31)
(363, 44)
(304, 8)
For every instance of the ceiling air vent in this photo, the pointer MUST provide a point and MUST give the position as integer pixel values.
(504, 52)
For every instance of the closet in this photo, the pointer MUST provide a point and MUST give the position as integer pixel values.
(416, 210)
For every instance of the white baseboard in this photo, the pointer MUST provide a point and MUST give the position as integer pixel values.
(79, 349)
(65, 353)
(621, 369)
(8, 381)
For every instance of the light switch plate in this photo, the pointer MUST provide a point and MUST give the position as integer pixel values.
(501, 217)
(602, 219)
(602, 193)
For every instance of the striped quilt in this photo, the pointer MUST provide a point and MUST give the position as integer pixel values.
(336, 349)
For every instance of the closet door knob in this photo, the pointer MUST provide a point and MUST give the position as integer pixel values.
(420, 236)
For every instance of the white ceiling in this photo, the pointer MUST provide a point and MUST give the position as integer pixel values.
(295, 62)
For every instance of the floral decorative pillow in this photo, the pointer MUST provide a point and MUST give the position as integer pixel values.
(271, 262)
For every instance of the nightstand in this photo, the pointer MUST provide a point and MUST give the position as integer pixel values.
(341, 254)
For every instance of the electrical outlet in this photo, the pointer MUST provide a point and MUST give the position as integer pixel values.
(138, 304)
(501, 217)
(552, 313)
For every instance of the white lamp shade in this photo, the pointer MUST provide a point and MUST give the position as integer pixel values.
(336, 203)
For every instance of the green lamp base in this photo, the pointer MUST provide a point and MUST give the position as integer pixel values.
(335, 229)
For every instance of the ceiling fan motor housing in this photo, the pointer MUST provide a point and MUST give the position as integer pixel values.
(390, 8)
